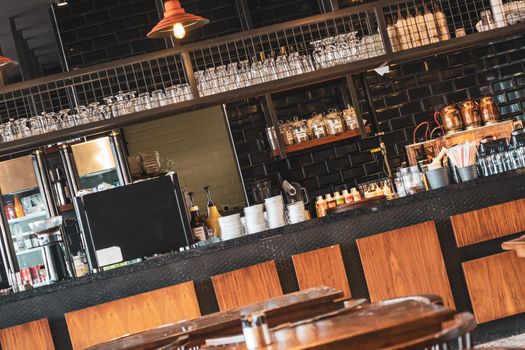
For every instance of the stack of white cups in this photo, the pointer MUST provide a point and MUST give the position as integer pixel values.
(296, 212)
(231, 226)
(254, 219)
(275, 211)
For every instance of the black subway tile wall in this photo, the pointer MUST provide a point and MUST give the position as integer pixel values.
(322, 169)
(413, 91)
(267, 12)
(96, 31)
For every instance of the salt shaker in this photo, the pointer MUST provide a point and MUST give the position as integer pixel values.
(255, 330)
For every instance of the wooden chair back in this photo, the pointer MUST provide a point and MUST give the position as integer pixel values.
(35, 335)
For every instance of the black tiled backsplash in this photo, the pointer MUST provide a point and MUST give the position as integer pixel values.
(413, 91)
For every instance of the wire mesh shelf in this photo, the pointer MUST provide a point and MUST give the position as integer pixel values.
(280, 54)
(413, 23)
(93, 96)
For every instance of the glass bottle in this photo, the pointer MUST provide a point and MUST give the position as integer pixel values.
(213, 215)
(199, 229)
(19, 209)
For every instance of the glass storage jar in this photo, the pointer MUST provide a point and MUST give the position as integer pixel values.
(285, 128)
(350, 118)
(316, 126)
(334, 123)
(300, 131)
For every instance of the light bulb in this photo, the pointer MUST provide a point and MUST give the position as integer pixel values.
(179, 31)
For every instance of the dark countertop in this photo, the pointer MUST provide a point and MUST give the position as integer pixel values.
(214, 247)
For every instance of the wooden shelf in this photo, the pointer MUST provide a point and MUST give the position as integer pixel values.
(65, 208)
(322, 141)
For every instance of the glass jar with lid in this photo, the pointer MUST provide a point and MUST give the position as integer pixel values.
(316, 126)
(350, 118)
(334, 123)
(300, 131)
(285, 128)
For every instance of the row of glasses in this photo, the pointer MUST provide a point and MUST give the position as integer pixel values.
(242, 74)
(121, 104)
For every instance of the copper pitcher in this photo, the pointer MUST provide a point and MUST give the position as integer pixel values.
(470, 114)
(451, 119)
(489, 110)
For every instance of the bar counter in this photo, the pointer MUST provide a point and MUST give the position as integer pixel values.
(459, 242)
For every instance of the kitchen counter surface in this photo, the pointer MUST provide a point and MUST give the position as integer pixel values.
(279, 244)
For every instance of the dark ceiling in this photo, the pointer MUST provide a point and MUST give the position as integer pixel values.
(33, 21)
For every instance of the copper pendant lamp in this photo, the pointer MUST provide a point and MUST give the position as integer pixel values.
(6, 63)
(176, 21)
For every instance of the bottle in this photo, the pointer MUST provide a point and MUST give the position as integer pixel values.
(441, 21)
(348, 197)
(403, 34)
(413, 30)
(393, 36)
(356, 194)
(199, 229)
(213, 215)
(320, 207)
(60, 187)
(432, 26)
(422, 28)
(339, 200)
(330, 202)
(19, 209)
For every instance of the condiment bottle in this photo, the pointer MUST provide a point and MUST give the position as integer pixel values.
(213, 215)
(320, 207)
(413, 31)
(19, 209)
(339, 200)
(403, 34)
(199, 229)
(330, 202)
(422, 28)
(348, 197)
(356, 194)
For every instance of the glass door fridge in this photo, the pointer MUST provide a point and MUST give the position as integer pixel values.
(25, 199)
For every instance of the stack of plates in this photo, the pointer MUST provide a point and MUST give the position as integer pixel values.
(254, 219)
(296, 212)
(231, 226)
(275, 211)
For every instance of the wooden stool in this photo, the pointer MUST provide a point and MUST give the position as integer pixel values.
(246, 286)
(101, 323)
(322, 267)
(34, 335)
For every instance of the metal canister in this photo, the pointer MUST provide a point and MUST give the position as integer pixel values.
(451, 119)
(272, 138)
(489, 110)
(470, 115)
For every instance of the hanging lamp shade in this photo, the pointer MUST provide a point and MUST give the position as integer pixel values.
(175, 14)
(6, 63)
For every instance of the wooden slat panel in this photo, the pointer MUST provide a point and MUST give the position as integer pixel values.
(489, 223)
(322, 267)
(246, 286)
(403, 262)
(34, 335)
(496, 286)
(101, 323)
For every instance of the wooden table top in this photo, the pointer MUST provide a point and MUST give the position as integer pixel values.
(517, 244)
(287, 308)
(375, 326)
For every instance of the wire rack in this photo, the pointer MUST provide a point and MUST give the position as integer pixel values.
(280, 54)
(413, 23)
(96, 95)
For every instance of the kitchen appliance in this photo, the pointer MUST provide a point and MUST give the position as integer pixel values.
(470, 114)
(294, 192)
(152, 221)
(489, 110)
(451, 119)
(25, 186)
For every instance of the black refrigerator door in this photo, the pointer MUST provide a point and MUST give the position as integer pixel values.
(143, 219)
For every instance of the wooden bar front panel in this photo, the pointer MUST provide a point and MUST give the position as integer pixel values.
(246, 286)
(404, 262)
(496, 285)
(322, 267)
(101, 323)
(34, 335)
(489, 223)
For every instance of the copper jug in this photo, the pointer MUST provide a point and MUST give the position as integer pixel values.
(451, 119)
(489, 110)
(470, 114)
